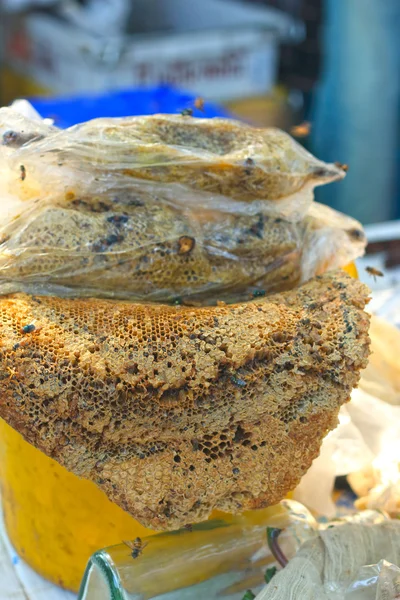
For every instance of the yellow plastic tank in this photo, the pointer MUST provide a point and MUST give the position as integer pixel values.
(54, 519)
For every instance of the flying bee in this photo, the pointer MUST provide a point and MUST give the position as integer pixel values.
(136, 546)
(199, 104)
(374, 272)
(342, 166)
(23, 172)
(302, 130)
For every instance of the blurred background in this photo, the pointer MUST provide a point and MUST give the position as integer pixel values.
(332, 63)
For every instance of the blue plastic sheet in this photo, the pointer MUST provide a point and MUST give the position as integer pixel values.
(68, 111)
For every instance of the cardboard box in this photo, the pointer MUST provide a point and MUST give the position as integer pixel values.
(219, 49)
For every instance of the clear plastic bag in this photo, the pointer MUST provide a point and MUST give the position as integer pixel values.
(218, 157)
(164, 208)
(366, 447)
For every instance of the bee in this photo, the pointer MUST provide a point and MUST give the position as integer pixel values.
(199, 104)
(114, 238)
(136, 546)
(23, 172)
(186, 244)
(238, 381)
(249, 163)
(10, 138)
(16, 139)
(118, 219)
(342, 166)
(356, 234)
(187, 112)
(374, 272)
(302, 130)
(189, 527)
(20, 344)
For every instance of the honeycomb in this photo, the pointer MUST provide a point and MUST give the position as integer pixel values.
(138, 246)
(216, 156)
(175, 411)
(134, 250)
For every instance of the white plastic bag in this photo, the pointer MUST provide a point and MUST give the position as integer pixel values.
(366, 445)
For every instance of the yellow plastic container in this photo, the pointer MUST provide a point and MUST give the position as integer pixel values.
(56, 520)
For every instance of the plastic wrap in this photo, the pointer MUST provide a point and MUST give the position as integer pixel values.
(378, 483)
(164, 208)
(219, 157)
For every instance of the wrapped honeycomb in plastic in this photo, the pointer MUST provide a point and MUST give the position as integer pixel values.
(151, 251)
(163, 208)
(223, 160)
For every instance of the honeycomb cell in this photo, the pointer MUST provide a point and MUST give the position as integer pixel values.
(175, 411)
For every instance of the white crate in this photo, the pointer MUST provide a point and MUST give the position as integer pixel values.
(220, 49)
